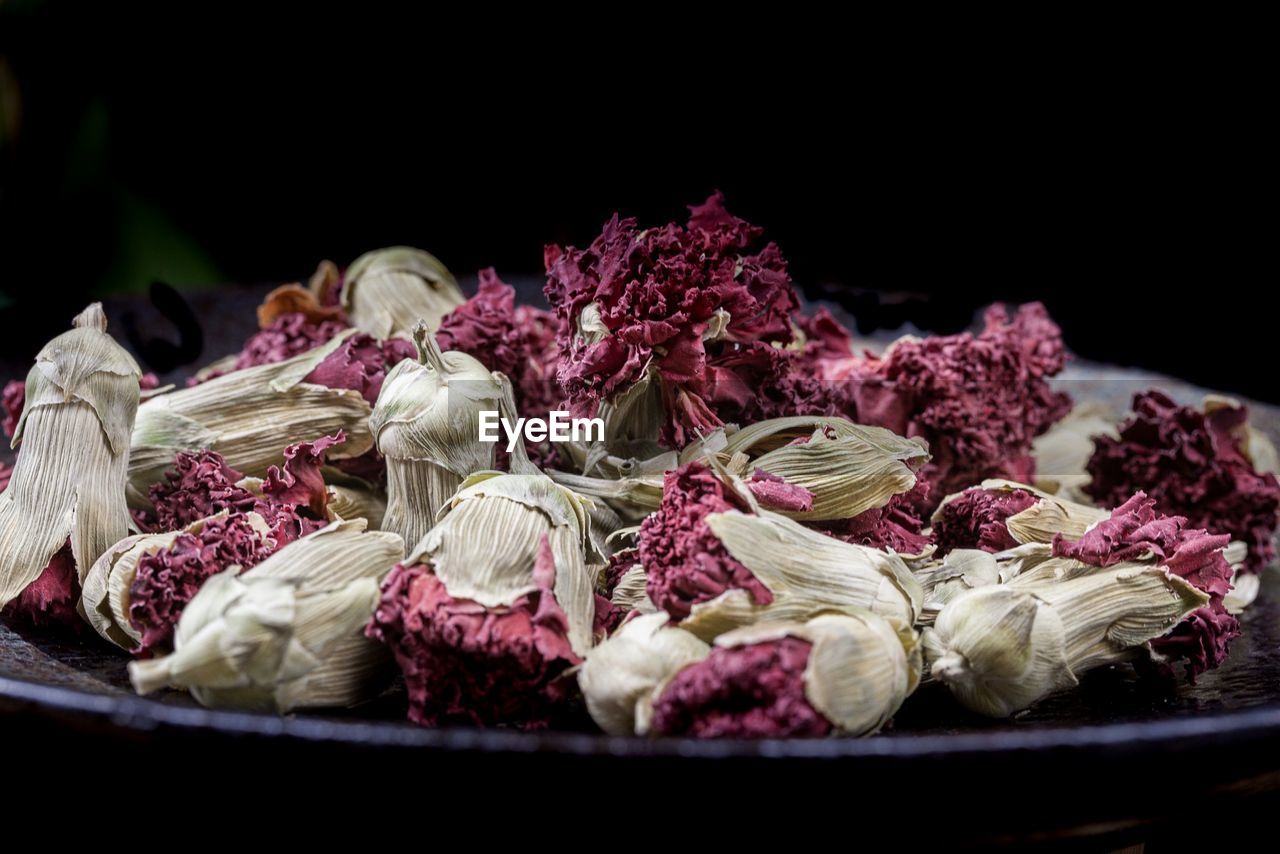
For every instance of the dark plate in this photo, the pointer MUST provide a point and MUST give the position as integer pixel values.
(1120, 758)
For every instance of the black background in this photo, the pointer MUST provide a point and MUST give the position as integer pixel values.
(1121, 183)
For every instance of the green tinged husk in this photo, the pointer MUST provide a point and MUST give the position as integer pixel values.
(388, 291)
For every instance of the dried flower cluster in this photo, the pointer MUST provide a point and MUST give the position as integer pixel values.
(778, 536)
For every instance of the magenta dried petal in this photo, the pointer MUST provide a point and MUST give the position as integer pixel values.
(200, 484)
(361, 363)
(1202, 640)
(686, 563)
(300, 483)
(754, 691)
(658, 292)
(896, 526)
(1135, 530)
(51, 599)
(975, 519)
(774, 493)
(465, 663)
(166, 581)
(979, 400)
(14, 399)
(1191, 465)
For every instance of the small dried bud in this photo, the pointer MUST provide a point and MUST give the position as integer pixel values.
(836, 673)
(619, 677)
(1000, 514)
(286, 634)
(388, 291)
(426, 424)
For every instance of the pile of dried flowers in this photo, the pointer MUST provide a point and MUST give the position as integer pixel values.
(775, 535)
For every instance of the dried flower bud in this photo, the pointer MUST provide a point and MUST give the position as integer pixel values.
(494, 604)
(389, 291)
(174, 566)
(960, 571)
(426, 424)
(1001, 514)
(1002, 648)
(68, 482)
(286, 634)
(630, 591)
(836, 673)
(619, 677)
(246, 417)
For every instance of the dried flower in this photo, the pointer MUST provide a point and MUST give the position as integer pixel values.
(620, 675)
(426, 425)
(1001, 648)
(494, 605)
(979, 400)
(246, 417)
(1195, 464)
(692, 309)
(960, 571)
(715, 567)
(287, 633)
(1001, 514)
(837, 673)
(389, 291)
(68, 482)
(50, 600)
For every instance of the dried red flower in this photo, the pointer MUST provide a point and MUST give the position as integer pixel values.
(975, 519)
(754, 691)
(50, 600)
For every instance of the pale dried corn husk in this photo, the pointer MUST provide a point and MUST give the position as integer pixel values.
(1244, 585)
(105, 599)
(1063, 451)
(353, 502)
(620, 676)
(427, 424)
(960, 571)
(807, 572)
(1257, 446)
(246, 416)
(1040, 522)
(288, 633)
(999, 649)
(630, 593)
(633, 421)
(486, 543)
(69, 479)
(388, 291)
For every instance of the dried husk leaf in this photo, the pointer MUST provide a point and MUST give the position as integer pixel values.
(620, 677)
(287, 633)
(485, 545)
(388, 291)
(960, 571)
(1002, 648)
(246, 416)
(426, 424)
(353, 502)
(1062, 453)
(69, 479)
(630, 592)
(807, 572)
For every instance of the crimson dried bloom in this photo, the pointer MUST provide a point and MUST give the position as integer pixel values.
(753, 691)
(979, 400)
(361, 363)
(51, 599)
(199, 485)
(1136, 530)
(687, 564)
(283, 338)
(166, 581)
(775, 493)
(518, 341)
(659, 297)
(975, 519)
(896, 526)
(1192, 464)
(466, 663)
